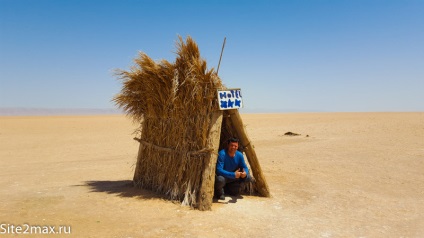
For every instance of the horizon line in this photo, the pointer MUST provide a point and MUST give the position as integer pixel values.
(40, 111)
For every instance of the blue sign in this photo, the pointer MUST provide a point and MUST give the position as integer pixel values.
(230, 99)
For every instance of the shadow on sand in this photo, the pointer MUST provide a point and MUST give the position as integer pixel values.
(121, 188)
(125, 188)
(233, 199)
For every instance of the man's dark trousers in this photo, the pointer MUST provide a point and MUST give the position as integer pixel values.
(231, 186)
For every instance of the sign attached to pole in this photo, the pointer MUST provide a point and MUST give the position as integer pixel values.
(230, 99)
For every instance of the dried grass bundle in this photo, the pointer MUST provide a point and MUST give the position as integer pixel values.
(174, 102)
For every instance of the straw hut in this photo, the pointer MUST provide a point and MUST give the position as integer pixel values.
(181, 126)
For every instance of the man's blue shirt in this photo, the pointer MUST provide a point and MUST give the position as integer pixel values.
(226, 165)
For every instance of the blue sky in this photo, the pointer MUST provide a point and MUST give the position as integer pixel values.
(316, 55)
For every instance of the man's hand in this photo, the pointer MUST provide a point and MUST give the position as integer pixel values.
(238, 173)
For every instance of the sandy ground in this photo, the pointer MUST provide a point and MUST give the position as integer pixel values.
(354, 175)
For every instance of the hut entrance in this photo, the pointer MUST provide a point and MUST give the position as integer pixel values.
(232, 126)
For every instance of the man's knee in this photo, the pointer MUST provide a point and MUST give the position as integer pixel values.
(247, 179)
(219, 181)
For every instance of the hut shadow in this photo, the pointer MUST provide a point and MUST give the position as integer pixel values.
(233, 199)
(120, 188)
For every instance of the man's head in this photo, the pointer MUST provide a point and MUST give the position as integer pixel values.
(232, 146)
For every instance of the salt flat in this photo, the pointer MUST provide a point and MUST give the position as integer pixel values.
(346, 175)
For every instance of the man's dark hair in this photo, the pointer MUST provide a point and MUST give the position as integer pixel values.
(232, 140)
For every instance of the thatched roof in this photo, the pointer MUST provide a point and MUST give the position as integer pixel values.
(164, 89)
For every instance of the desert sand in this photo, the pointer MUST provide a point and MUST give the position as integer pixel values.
(346, 175)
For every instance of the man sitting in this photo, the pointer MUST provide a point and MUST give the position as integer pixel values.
(231, 170)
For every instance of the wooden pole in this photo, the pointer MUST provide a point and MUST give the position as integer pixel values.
(262, 186)
(220, 57)
(205, 197)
